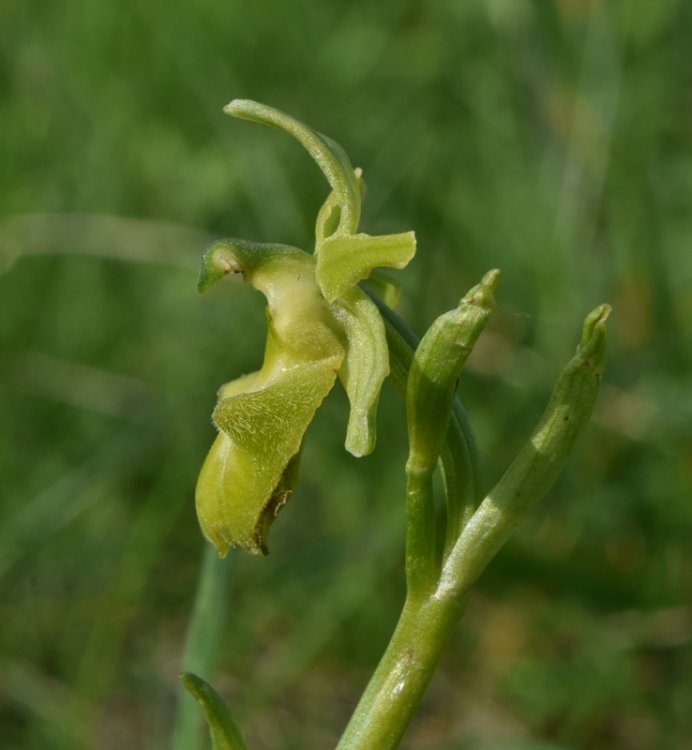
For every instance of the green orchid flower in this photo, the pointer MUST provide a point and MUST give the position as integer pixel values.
(320, 325)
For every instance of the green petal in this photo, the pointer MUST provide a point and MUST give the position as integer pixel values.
(365, 367)
(242, 485)
(343, 261)
(329, 155)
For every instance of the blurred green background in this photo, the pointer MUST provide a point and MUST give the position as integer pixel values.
(552, 139)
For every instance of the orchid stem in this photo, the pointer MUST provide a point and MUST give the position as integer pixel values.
(202, 644)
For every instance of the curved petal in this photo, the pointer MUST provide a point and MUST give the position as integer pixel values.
(365, 366)
(328, 154)
(329, 215)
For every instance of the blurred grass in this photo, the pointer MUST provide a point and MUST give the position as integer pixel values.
(550, 139)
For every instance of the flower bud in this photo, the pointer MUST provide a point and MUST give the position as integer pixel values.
(436, 365)
(538, 463)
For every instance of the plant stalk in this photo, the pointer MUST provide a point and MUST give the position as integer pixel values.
(202, 645)
(403, 674)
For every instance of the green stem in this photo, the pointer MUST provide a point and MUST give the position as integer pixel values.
(397, 686)
(202, 644)
(457, 464)
(403, 674)
(431, 612)
(422, 569)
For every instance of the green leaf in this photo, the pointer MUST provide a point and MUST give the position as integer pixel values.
(329, 156)
(343, 261)
(225, 732)
(365, 366)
